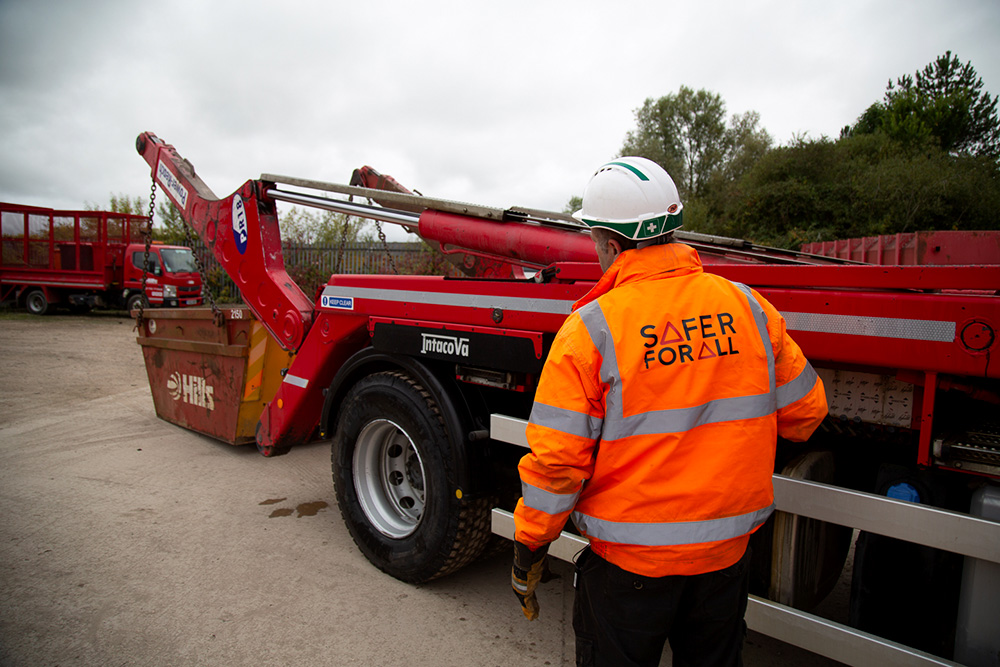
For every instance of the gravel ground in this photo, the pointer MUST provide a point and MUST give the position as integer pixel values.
(126, 540)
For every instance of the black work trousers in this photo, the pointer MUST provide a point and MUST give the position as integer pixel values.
(624, 619)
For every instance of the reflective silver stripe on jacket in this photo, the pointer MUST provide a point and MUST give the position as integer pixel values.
(567, 421)
(797, 388)
(546, 501)
(673, 533)
(761, 318)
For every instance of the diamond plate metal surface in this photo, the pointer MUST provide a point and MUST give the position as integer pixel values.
(878, 327)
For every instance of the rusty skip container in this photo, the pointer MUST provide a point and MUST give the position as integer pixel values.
(211, 379)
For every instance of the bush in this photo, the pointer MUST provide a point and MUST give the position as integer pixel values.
(426, 262)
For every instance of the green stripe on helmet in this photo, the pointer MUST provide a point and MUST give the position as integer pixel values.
(643, 229)
(626, 229)
(641, 176)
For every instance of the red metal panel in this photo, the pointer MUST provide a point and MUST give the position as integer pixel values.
(521, 305)
(944, 247)
(293, 415)
(954, 334)
(948, 333)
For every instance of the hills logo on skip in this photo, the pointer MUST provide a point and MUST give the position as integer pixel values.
(192, 390)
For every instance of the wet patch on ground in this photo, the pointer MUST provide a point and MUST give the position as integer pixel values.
(303, 509)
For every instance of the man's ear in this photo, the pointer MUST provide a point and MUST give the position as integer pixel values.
(614, 248)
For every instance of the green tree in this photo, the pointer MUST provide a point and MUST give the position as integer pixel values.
(574, 204)
(861, 185)
(687, 134)
(171, 229)
(307, 227)
(121, 203)
(942, 105)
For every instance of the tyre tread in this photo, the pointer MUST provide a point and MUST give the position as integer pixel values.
(473, 530)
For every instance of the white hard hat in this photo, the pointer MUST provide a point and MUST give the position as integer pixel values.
(633, 196)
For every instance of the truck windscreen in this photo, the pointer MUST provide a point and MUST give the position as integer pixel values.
(178, 260)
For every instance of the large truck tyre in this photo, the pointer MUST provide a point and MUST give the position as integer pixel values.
(36, 302)
(396, 482)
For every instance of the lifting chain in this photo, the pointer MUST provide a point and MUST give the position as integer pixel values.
(217, 315)
(385, 247)
(147, 233)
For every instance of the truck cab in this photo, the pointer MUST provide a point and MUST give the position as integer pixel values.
(172, 278)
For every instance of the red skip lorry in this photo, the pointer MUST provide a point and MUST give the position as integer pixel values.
(424, 384)
(84, 259)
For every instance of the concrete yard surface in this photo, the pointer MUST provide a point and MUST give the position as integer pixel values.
(125, 540)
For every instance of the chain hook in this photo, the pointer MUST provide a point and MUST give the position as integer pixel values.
(147, 233)
(385, 244)
(217, 315)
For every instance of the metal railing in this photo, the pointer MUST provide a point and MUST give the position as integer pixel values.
(953, 531)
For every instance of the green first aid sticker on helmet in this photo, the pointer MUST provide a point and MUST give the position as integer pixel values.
(659, 225)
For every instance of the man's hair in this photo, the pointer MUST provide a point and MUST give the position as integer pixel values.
(602, 236)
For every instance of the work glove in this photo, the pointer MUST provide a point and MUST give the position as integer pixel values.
(528, 570)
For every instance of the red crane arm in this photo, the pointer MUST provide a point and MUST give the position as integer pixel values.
(241, 230)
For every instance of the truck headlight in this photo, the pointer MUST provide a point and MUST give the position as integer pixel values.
(170, 291)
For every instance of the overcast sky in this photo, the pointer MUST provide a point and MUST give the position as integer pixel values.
(498, 103)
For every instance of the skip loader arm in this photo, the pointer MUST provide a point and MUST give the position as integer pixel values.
(241, 231)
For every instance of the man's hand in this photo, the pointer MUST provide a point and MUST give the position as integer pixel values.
(525, 575)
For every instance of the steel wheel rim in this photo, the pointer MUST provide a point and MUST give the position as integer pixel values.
(389, 478)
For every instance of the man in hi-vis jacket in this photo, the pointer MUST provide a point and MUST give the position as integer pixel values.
(654, 428)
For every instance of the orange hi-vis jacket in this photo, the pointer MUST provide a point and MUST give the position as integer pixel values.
(657, 414)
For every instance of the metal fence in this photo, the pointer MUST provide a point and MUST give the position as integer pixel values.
(312, 266)
(370, 257)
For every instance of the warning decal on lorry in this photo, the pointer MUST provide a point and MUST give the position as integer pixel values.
(338, 302)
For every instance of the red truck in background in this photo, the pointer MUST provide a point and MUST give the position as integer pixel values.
(84, 259)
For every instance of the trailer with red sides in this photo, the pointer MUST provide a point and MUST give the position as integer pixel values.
(84, 259)
(424, 385)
